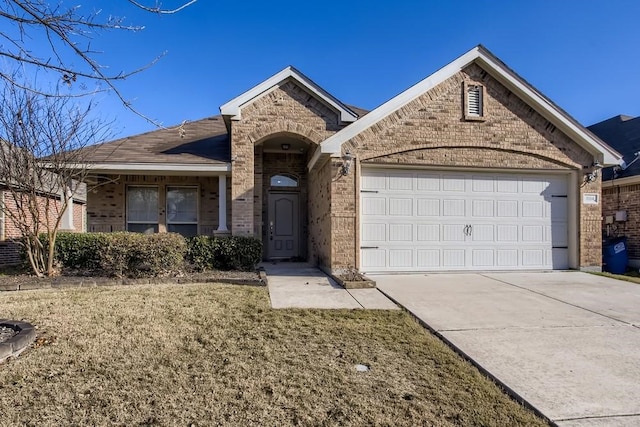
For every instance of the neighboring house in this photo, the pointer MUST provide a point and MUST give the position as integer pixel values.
(13, 202)
(470, 169)
(621, 184)
(73, 220)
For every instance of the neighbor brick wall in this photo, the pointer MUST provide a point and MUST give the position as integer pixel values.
(627, 198)
(431, 130)
(286, 110)
(9, 230)
(106, 205)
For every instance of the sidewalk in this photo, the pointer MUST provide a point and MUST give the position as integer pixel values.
(299, 285)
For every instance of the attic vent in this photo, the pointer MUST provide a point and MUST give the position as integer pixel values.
(473, 102)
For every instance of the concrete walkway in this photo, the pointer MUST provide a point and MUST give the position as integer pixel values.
(298, 285)
(568, 343)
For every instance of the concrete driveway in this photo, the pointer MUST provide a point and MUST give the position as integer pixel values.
(566, 342)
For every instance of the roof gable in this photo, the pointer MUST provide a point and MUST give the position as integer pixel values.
(233, 108)
(503, 74)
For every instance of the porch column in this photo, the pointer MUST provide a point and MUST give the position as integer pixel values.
(222, 203)
(67, 215)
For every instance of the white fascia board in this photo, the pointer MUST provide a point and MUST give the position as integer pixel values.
(603, 153)
(157, 168)
(233, 108)
(628, 180)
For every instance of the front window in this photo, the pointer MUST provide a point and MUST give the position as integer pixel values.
(182, 210)
(142, 209)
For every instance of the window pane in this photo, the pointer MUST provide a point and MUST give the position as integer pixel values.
(283, 181)
(142, 228)
(182, 205)
(142, 204)
(187, 230)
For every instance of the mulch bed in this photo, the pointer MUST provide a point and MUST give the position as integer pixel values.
(11, 281)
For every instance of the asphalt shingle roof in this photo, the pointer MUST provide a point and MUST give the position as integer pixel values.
(622, 133)
(202, 141)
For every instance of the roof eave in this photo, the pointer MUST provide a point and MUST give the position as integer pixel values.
(173, 169)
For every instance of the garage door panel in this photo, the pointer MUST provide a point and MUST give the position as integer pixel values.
(428, 182)
(374, 181)
(454, 183)
(453, 232)
(400, 232)
(482, 258)
(454, 207)
(400, 258)
(507, 258)
(507, 208)
(374, 232)
(483, 208)
(507, 185)
(428, 258)
(453, 258)
(428, 207)
(374, 258)
(401, 182)
(401, 206)
(533, 233)
(482, 184)
(374, 206)
(419, 221)
(533, 209)
(533, 258)
(483, 233)
(428, 232)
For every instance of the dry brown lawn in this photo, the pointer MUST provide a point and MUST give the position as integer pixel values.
(218, 355)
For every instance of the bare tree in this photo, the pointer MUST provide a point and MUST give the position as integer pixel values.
(63, 34)
(40, 137)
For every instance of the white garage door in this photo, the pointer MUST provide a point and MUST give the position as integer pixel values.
(428, 221)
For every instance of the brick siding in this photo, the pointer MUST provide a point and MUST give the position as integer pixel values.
(287, 110)
(106, 206)
(9, 249)
(626, 198)
(432, 131)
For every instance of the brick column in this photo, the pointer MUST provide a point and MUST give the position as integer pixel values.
(241, 185)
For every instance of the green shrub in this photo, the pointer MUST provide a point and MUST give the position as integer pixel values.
(200, 254)
(227, 253)
(122, 254)
(80, 250)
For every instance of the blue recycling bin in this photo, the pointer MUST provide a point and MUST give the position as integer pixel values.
(615, 255)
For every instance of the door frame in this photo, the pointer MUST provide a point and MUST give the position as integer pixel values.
(298, 226)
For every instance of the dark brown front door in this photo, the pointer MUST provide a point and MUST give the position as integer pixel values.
(283, 227)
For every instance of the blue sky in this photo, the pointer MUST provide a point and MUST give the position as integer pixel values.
(584, 55)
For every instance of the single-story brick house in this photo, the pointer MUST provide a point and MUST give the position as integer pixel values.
(72, 220)
(621, 184)
(470, 169)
